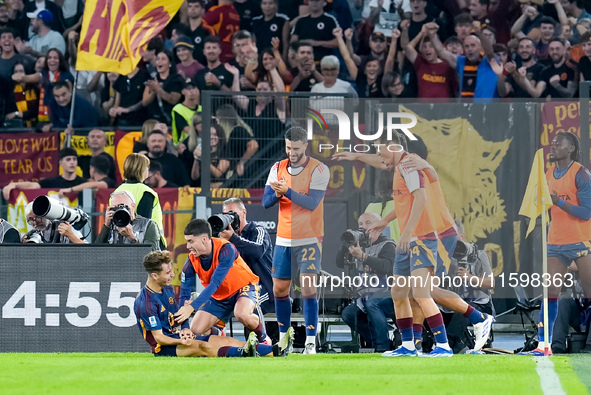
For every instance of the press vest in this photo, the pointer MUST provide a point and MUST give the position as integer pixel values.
(139, 226)
(178, 136)
(381, 290)
(5, 226)
(137, 189)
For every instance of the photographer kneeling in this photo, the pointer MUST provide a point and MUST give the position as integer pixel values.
(373, 260)
(472, 265)
(123, 226)
(49, 231)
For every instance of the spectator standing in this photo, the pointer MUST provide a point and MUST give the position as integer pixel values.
(97, 140)
(476, 76)
(200, 30)
(418, 19)
(316, 28)
(269, 25)
(68, 160)
(55, 69)
(240, 142)
(164, 91)
(575, 9)
(219, 164)
(513, 85)
(368, 82)
(558, 80)
(436, 78)
(173, 169)
(155, 179)
(99, 167)
(305, 74)
(188, 66)
(215, 76)
(57, 24)
(248, 10)
(26, 97)
(85, 115)
(9, 57)
(183, 112)
(225, 21)
(585, 61)
(128, 109)
(43, 37)
(155, 46)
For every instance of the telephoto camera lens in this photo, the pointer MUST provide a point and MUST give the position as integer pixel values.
(122, 216)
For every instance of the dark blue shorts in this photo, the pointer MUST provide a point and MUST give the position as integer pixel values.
(569, 252)
(166, 351)
(307, 258)
(223, 309)
(421, 253)
(445, 251)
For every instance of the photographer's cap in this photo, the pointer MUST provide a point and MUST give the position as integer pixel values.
(68, 152)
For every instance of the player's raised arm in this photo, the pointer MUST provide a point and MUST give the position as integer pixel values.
(187, 279)
(374, 160)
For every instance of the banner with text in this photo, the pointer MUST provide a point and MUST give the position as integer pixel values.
(558, 117)
(28, 157)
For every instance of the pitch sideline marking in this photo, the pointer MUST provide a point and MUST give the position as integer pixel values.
(549, 379)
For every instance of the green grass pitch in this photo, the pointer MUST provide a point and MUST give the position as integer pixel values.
(113, 373)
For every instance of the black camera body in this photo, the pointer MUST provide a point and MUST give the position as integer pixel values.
(34, 237)
(220, 222)
(352, 237)
(465, 252)
(121, 215)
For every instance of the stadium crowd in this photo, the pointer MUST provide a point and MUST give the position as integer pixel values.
(398, 49)
(409, 49)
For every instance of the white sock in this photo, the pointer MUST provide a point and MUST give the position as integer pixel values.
(445, 346)
(282, 335)
(409, 345)
(311, 339)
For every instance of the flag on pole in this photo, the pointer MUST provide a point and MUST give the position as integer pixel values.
(537, 197)
(115, 31)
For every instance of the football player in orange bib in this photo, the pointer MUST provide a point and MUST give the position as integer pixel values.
(230, 286)
(447, 235)
(419, 218)
(298, 184)
(569, 236)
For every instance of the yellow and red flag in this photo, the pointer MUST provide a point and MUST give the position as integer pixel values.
(537, 194)
(114, 32)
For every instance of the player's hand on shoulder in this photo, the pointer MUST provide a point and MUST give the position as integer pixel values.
(411, 163)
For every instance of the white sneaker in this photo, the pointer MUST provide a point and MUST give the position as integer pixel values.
(481, 332)
(310, 349)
